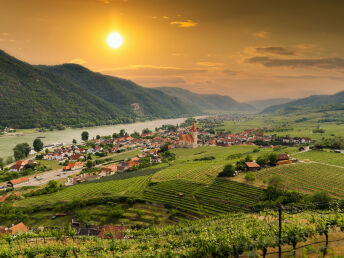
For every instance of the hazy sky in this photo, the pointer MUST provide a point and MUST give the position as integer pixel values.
(247, 49)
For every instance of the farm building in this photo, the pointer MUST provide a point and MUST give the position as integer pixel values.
(252, 166)
(17, 181)
(282, 156)
(73, 166)
(18, 229)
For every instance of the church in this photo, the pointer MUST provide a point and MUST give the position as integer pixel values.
(188, 140)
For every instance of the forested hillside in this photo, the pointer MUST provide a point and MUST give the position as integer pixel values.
(31, 97)
(71, 95)
(207, 102)
(36, 96)
(315, 102)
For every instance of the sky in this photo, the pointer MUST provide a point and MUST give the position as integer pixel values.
(246, 49)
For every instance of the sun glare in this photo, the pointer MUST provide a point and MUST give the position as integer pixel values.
(114, 40)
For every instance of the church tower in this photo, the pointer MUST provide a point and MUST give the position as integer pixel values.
(194, 135)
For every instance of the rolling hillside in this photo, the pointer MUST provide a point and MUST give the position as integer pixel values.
(122, 93)
(206, 102)
(315, 101)
(40, 96)
(265, 103)
(31, 97)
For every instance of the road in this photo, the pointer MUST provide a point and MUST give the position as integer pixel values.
(44, 178)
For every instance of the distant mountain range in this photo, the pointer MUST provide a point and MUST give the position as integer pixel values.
(207, 102)
(316, 101)
(69, 94)
(262, 104)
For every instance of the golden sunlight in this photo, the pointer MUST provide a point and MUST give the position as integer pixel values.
(114, 40)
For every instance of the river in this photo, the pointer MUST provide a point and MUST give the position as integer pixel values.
(7, 143)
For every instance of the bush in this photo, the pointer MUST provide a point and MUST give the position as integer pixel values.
(228, 171)
(205, 158)
(250, 177)
(321, 199)
(276, 182)
(116, 213)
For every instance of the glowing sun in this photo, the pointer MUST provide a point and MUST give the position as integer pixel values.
(114, 40)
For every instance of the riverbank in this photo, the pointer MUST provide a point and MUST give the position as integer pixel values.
(7, 142)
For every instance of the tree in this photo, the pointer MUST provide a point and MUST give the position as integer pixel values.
(84, 136)
(272, 159)
(322, 199)
(164, 147)
(9, 160)
(276, 182)
(262, 161)
(146, 130)
(98, 137)
(248, 158)
(74, 141)
(89, 163)
(21, 151)
(52, 184)
(2, 163)
(135, 135)
(37, 145)
(228, 171)
(122, 133)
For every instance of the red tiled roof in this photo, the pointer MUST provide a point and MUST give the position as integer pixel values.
(252, 164)
(19, 228)
(283, 157)
(19, 180)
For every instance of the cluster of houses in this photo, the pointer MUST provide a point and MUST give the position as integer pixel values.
(20, 165)
(249, 137)
(111, 169)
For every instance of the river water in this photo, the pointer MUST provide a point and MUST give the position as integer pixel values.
(7, 143)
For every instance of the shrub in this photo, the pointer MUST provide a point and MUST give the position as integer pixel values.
(250, 177)
(228, 171)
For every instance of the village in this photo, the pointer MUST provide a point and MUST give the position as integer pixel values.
(89, 160)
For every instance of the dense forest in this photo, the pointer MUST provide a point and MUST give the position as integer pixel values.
(37, 96)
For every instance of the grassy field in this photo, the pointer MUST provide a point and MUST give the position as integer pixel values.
(50, 164)
(119, 156)
(322, 157)
(308, 177)
(300, 129)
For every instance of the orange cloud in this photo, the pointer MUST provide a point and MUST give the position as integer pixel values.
(261, 34)
(184, 24)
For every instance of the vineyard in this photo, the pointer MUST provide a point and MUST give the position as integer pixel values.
(132, 186)
(197, 200)
(309, 177)
(229, 235)
(186, 168)
(323, 157)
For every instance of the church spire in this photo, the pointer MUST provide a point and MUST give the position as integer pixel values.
(194, 128)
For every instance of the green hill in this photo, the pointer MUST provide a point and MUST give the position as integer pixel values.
(122, 93)
(31, 97)
(41, 96)
(314, 102)
(265, 103)
(206, 102)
